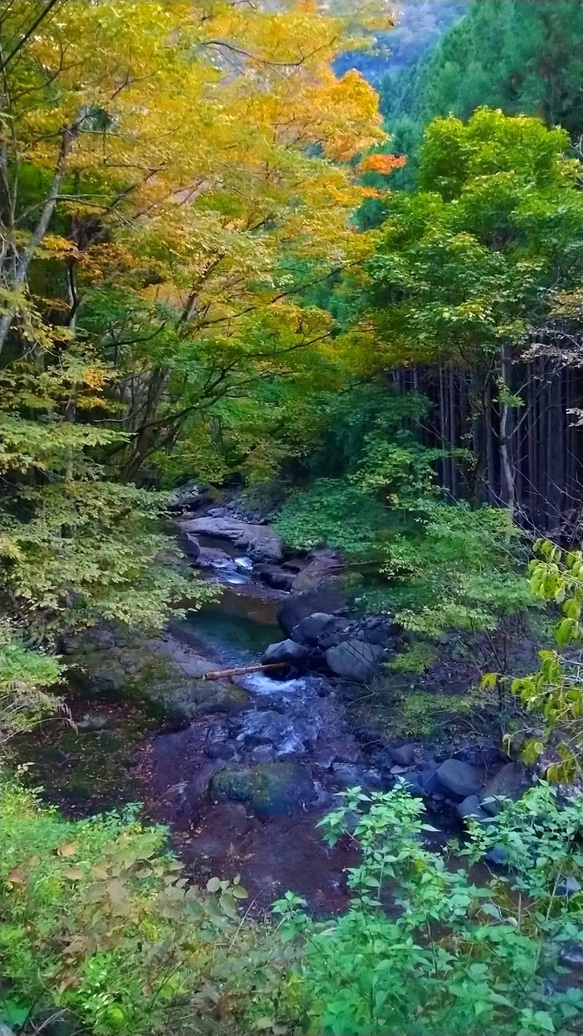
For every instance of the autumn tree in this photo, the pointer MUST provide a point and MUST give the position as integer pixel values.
(171, 174)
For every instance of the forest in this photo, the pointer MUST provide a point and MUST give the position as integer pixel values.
(291, 518)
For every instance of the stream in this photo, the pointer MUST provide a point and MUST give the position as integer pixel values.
(243, 780)
(293, 735)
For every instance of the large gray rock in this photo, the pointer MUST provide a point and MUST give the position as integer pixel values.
(354, 660)
(510, 783)
(313, 627)
(185, 497)
(299, 606)
(259, 541)
(275, 576)
(287, 652)
(459, 779)
(402, 755)
(322, 566)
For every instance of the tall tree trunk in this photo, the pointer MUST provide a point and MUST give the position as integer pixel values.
(18, 278)
(508, 471)
(452, 430)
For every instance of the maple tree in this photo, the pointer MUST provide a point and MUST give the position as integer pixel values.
(171, 176)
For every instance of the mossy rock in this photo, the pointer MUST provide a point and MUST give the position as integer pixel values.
(271, 789)
(193, 698)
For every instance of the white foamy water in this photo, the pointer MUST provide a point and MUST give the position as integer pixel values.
(259, 683)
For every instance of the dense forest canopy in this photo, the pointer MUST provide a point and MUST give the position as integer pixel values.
(302, 281)
(419, 25)
(522, 56)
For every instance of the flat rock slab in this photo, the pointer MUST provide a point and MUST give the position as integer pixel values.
(353, 660)
(459, 779)
(259, 541)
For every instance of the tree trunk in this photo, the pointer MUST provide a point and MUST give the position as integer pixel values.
(18, 278)
(508, 472)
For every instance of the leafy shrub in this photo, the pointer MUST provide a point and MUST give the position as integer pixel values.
(23, 676)
(98, 921)
(423, 950)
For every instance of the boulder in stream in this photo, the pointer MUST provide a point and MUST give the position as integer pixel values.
(287, 652)
(275, 576)
(271, 789)
(259, 541)
(323, 565)
(314, 627)
(509, 783)
(299, 606)
(459, 779)
(354, 660)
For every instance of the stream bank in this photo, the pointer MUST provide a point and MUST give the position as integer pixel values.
(242, 769)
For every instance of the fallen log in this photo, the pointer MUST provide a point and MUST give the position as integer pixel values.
(224, 674)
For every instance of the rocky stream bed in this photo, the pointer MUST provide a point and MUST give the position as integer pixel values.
(241, 769)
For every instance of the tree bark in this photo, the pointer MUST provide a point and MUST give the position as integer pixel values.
(22, 266)
(508, 472)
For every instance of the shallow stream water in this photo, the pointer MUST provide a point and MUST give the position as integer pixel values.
(292, 738)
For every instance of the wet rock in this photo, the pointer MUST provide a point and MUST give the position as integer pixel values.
(220, 750)
(497, 856)
(213, 557)
(348, 775)
(323, 565)
(402, 755)
(459, 779)
(311, 629)
(190, 546)
(275, 576)
(185, 497)
(428, 780)
(509, 783)
(288, 652)
(378, 629)
(196, 698)
(470, 807)
(263, 754)
(354, 660)
(259, 541)
(299, 606)
(271, 789)
(287, 733)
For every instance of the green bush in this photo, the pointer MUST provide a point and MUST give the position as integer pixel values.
(423, 949)
(98, 921)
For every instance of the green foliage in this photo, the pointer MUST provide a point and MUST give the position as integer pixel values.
(468, 263)
(98, 921)
(449, 956)
(24, 677)
(437, 565)
(333, 512)
(555, 692)
(521, 56)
